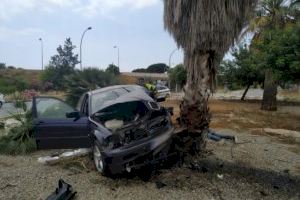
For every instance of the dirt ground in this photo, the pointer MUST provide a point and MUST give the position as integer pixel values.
(260, 165)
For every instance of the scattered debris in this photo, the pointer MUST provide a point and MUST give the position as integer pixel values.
(263, 193)
(160, 184)
(51, 160)
(220, 176)
(286, 171)
(276, 187)
(2, 124)
(8, 185)
(198, 167)
(218, 137)
(64, 191)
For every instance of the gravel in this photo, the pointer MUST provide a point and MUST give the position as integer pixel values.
(257, 168)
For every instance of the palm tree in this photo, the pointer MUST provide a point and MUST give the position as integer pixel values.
(204, 29)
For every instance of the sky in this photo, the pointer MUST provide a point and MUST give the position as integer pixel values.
(135, 26)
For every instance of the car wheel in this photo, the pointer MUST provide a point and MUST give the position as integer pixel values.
(1, 104)
(99, 161)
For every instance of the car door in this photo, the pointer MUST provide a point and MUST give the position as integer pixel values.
(53, 130)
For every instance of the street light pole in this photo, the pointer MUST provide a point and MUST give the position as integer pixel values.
(171, 56)
(116, 47)
(170, 65)
(89, 28)
(42, 52)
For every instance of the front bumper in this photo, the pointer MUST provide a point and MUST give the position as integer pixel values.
(138, 154)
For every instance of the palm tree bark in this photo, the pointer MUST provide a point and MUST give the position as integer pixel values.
(269, 102)
(245, 92)
(195, 116)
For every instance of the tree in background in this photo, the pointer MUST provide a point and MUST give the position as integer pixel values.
(61, 65)
(113, 69)
(2, 66)
(158, 68)
(205, 37)
(177, 76)
(279, 53)
(88, 79)
(272, 15)
(140, 70)
(248, 69)
(278, 50)
(155, 68)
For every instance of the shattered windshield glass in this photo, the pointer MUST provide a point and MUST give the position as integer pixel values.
(99, 99)
(126, 112)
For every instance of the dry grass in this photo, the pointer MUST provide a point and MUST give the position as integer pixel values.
(246, 116)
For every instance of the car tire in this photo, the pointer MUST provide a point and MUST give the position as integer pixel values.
(1, 104)
(99, 161)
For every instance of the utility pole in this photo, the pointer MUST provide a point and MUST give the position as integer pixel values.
(117, 47)
(42, 52)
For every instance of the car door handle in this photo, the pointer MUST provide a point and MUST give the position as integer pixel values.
(40, 122)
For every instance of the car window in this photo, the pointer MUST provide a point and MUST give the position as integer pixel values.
(99, 99)
(52, 108)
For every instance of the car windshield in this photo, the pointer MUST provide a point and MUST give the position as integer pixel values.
(98, 100)
(126, 112)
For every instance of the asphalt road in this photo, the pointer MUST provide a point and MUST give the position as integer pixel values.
(8, 109)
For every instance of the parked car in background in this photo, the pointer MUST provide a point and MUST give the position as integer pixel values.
(125, 127)
(162, 92)
(1, 100)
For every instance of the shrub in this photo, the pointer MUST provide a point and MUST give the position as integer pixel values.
(85, 80)
(20, 139)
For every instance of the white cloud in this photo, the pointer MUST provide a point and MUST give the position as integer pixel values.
(90, 8)
(103, 7)
(8, 33)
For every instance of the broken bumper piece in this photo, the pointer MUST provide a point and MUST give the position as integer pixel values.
(136, 156)
(64, 191)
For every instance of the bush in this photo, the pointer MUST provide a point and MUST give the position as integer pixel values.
(85, 80)
(177, 75)
(20, 139)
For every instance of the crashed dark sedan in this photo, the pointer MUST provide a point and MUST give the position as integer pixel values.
(125, 127)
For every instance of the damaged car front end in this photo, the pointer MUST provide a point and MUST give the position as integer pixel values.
(137, 133)
(123, 125)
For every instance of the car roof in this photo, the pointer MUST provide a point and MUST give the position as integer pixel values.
(110, 88)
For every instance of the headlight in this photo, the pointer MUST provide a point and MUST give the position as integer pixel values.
(108, 143)
(154, 105)
(113, 141)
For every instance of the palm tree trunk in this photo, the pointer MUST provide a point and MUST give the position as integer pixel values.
(270, 91)
(245, 92)
(195, 116)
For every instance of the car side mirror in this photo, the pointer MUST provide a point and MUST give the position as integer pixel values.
(75, 115)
